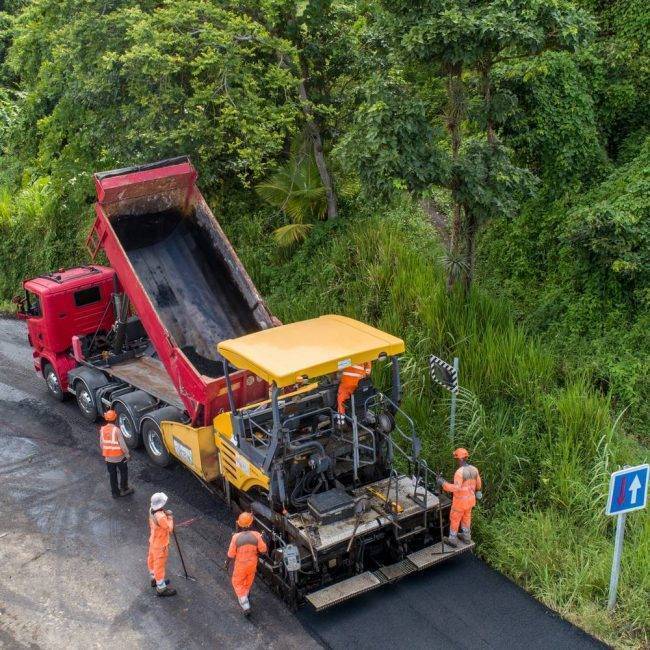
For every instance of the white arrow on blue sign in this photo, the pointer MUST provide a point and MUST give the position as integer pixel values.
(628, 490)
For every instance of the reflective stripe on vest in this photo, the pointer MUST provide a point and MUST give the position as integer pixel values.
(159, 535)
(110, 442)
(356, 371)
(246, 547)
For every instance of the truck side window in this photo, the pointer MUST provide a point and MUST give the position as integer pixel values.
(87, 296)
(33, 306)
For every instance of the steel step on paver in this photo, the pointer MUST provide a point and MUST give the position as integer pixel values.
(349, 588)
(369, 580)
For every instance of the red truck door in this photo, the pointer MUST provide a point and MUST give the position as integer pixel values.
(35, 321)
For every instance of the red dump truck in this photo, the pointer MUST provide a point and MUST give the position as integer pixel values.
(144, 332)
(174, 337)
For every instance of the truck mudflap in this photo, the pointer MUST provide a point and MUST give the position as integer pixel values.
(369, 580)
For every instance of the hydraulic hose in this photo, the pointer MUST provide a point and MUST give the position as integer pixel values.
(304, 446)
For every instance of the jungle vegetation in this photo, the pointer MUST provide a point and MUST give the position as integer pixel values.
(472, 175)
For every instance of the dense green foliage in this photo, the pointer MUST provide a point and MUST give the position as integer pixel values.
(523, 122)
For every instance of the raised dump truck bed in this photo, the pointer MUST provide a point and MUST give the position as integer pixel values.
(183, 280)
(188, 279)
(148, 374)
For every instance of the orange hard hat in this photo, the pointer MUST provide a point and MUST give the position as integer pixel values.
(245, 520)
(461, 453)
(110, 415)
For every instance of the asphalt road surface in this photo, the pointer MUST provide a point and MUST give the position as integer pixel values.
(73, 560)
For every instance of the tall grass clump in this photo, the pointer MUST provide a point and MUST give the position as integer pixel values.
(39, 232)
(544, 438)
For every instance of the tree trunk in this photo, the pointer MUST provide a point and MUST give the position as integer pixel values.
(471, 230)
(455, 112)
(471, 221)
(319, 156)
(487, 98)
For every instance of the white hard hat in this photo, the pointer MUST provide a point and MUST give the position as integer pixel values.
(158, 500)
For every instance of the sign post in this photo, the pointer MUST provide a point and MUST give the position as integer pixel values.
(628, 491)
(452, 415)
(447, 376)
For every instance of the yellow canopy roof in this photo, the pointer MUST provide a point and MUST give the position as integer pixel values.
(311, 348)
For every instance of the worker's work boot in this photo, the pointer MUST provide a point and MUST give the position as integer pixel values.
(126, 491)
(244, 603)
(452, 540)
(165, 591)
(465, 536)
(153, 581)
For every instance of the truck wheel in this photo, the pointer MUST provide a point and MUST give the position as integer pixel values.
(85, 402)
(52, 381)
(127, 427)
(154, 444)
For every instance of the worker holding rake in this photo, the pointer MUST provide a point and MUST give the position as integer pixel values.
(244, 549)
(466, 489)
(161, 525)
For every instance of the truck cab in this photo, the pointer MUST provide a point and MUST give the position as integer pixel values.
(60, 305)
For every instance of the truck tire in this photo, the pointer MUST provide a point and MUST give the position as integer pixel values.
(52, 382)
(127, 426)
(86, 401)
(154, 444)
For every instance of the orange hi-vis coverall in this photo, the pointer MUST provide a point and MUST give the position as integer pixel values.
(467, 481)
(350, 379)
(244, 548)
(161, 525)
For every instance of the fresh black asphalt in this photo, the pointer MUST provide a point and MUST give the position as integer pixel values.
(72, 571)
(461, 604)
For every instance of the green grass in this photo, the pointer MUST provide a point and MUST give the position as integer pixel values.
(544, 439)
(7, 307)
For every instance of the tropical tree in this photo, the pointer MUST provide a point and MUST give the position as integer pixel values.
(323, 35)
(121, 82)
(465, 40)
(296, 189)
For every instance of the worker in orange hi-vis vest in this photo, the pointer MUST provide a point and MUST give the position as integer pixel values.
(350, 378)
(161, 525)
(244, 549)
(465, 490)
(116, 454)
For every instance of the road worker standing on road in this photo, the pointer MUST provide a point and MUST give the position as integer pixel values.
(161, 525)
(116, 454)
(244, 549)
(465, 490)
(350, 378)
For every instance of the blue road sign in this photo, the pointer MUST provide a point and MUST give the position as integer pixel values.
(628, 490)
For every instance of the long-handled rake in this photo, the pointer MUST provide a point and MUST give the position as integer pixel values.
(187, 576)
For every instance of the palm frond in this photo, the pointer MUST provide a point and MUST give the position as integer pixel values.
(297, 190)
(291, 233)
